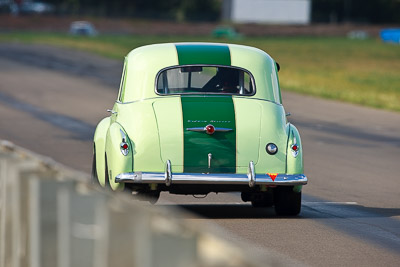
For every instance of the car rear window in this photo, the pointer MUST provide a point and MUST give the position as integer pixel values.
(205, 80)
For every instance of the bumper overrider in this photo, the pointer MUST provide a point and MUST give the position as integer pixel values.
(251, 178)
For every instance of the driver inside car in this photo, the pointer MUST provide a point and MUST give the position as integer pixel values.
(225, 81)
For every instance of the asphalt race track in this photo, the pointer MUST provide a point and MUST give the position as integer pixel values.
(51, 99)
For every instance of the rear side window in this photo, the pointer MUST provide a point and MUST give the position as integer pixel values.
(205, 80)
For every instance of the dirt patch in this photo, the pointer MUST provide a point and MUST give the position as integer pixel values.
(128, 26)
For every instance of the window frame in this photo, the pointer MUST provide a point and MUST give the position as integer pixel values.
(121, 91)
(205, 93)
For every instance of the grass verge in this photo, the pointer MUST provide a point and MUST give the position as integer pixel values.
(364, 72)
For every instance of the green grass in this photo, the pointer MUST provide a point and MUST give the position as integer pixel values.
(365, 72)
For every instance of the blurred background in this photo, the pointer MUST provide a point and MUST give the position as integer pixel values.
(323, 32)
(60, 68)
(317, 11)
(343, 36)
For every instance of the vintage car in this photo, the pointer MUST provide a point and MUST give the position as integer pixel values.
(195, 118)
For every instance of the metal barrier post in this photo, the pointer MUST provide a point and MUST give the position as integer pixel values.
(3, 212)
(34, 222)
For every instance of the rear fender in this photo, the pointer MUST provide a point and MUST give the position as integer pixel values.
(117, 162)
(99, 148)
(294, 161)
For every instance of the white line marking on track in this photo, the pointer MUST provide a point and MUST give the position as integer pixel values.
(328, 203)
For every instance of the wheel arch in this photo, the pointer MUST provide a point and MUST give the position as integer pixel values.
(99, 148)
(294, 162)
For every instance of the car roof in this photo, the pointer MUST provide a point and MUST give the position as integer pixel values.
(144, 63)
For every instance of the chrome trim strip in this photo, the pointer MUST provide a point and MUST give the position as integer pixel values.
(214, 178)
(145, 99)
(218, 129)
(112, 111)
(168, 173)
(203, 129)
(123, 136)
(259, 99)
(251, 174)
(196, 129)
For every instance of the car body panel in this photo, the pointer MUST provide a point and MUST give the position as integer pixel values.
(115, 160)
(214, 153)
(271, 128)
(168, 113)
(143, 65)
(263, 69)
(141, 127)
(247, 149)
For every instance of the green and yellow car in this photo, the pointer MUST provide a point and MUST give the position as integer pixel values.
(195, 118)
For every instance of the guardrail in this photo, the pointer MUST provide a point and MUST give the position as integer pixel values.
(51, 216)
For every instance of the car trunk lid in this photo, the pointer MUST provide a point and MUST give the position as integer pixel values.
(215, 151)
(181, 123)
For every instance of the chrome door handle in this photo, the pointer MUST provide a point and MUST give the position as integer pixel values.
(112, 111)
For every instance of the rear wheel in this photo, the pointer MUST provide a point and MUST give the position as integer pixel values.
(94, 177)
(94, 171)
(287, 202)
(106, 177)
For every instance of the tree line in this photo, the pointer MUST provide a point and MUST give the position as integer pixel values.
(178, 10)
(325, 11)
(356, 11)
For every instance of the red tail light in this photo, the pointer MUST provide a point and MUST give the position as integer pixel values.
(124, 148)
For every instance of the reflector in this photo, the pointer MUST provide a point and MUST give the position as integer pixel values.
(273, 176)
(271, 148)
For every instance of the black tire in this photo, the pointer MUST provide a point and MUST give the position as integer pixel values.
(245, 196)
(262, 200)
(94, 177)
(106, 177)
(287, 202)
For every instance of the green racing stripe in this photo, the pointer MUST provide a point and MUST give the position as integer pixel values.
(198, 112)
(213, 54)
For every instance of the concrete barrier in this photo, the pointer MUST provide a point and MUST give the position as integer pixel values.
(52, 216)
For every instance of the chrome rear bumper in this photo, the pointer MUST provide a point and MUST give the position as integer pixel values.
(250, 179)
